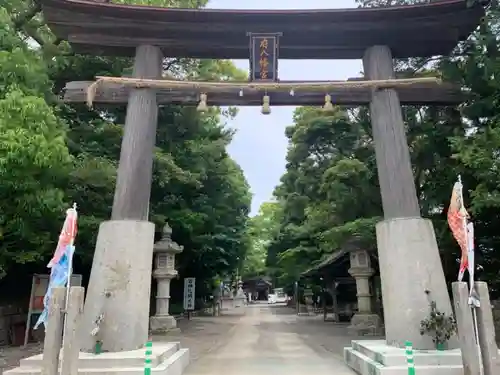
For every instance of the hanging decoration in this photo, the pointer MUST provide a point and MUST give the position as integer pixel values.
(202, 107)
(328, 107)
(266, 109)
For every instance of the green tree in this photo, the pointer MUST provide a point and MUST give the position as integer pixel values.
(329, 190)
(261, 230)
(33, 155)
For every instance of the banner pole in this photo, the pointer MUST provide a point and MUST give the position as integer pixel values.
(474, 314)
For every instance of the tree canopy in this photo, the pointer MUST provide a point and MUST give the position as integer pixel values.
(53, 154)
(261, 230)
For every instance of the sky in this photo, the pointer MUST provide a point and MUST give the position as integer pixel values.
(260, 145)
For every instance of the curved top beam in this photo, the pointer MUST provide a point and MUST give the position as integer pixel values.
(113, 29)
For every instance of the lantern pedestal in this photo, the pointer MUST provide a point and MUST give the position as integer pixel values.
(163, 324)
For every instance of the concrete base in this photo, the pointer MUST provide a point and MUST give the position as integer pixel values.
(240, 298)
(305, 314)
(120, 286)
(365, 325)
(411, 276)
(167, 359)
(163, 324)
(375, 357)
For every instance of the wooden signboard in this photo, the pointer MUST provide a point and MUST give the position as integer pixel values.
(39, 287)
(264, 57)
(189, 293)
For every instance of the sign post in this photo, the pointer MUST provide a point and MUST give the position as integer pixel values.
(264, 57)
(189, 293)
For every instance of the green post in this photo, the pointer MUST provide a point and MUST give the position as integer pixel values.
(409, 358)
(147, 358)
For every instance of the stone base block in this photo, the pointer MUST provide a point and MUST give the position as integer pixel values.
(304, 314)
(375, 357)
(365, 325)
(167, 359)
(411, 277)
(162, 324)
(119, 286)
(238, 302)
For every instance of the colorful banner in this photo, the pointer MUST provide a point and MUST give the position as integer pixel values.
(463, 231)
(61, 262)
(457, 221)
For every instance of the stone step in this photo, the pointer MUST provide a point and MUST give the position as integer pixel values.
(134, 358)
(364, 365)
(171, 365)
(380, 352)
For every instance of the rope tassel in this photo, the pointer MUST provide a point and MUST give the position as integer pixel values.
(328, 107)
(202, 106)
(266, 109)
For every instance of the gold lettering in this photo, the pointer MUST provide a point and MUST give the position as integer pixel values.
(264, 43)
(264, 67)
(264, 63)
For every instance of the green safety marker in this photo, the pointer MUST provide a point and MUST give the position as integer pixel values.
(409, 358)
(98, 347)
(147, 358)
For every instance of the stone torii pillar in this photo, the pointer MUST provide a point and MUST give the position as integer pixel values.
(408, 253)
(120, 281)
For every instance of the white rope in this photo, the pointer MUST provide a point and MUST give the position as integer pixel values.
(204, 86)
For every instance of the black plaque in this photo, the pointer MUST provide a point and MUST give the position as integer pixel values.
(264, 57)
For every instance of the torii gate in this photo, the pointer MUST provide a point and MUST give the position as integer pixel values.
(407, 248)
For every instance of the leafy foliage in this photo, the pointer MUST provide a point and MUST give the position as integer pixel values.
(261, 229)
(438, 325)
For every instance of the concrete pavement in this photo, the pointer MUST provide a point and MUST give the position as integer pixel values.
(263, 341)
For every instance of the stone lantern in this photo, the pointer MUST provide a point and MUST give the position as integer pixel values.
(365, 321)
(164, 271)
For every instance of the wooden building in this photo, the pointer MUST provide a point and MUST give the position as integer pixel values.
(350, 279)
(258, 287)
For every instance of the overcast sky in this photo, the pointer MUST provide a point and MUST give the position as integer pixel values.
(260, 145)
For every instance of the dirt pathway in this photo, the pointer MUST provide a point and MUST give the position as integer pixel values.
(265, 341)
